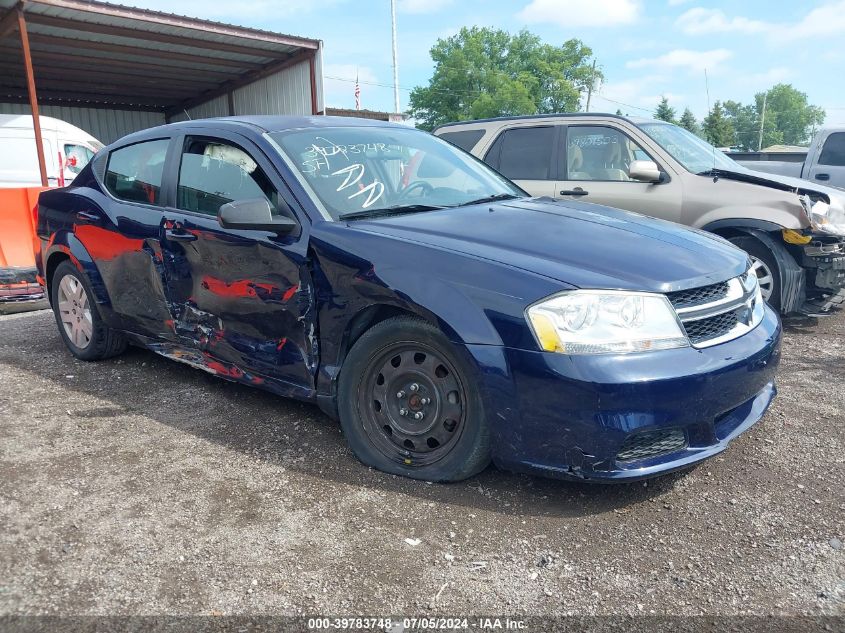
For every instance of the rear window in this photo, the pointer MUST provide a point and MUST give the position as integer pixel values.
(524, 153)
(134, 172)
(833, 152)
(465, 139)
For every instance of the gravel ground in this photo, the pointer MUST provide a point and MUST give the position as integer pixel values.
(142, 486)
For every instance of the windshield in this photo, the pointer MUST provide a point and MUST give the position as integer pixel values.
(358, 171)
(694, 153)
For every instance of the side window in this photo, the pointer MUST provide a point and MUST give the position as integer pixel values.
(76, 157)
(465, 139)
(213, 172)
(134, 172)
(599, 153)
(833, 152)
(525, 153)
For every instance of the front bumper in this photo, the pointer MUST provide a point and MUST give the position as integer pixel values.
(578, 416)
(825, 266)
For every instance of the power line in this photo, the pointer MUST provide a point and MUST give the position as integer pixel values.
(627, 105)
(474, 92)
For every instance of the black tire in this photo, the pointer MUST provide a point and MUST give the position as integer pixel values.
(442, 446)
(103, 342)
(759, 252)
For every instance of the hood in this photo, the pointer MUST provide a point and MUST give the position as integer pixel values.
(580, 244)
(776, 181)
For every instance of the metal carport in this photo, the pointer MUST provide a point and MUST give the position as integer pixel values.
(112, 69)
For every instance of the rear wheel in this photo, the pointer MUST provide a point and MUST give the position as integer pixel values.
(408, 404)
(764, 265)
(80, 325)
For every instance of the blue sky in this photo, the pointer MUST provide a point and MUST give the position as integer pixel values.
(646, 48)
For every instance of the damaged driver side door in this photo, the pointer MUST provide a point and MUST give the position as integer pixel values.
(242, 300)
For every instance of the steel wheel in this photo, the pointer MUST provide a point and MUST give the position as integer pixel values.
(765, 277)
(412, 404)
(75, 312)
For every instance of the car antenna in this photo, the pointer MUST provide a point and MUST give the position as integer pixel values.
(707, 90)
(189, 116)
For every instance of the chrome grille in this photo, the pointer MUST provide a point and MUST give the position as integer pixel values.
(649, 444)
(719, 312)
(698, 296)
(712, 327)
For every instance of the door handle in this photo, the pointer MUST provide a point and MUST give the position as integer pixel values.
(85, 216)
(822, 176)
(179, 235)
(574, 192)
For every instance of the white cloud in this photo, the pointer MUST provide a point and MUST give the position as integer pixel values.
(574, 13)
(423, 6)
(700, 21)
(684, 58)
(826, 20)
(675, 3)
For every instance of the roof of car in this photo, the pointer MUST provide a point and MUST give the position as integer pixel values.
(282, 123)
(559, 115)
(259, 124)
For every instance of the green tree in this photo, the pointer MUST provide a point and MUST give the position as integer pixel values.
(745, 122)
(484, 72)
(665, 112)
(717, 127)
(688, 122)
(789, 113)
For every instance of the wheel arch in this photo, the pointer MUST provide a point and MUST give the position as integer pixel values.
(790, 274)
(355, 327)
(741, 226)
(66, 246)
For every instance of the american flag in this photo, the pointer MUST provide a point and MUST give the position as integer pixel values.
(357, 93)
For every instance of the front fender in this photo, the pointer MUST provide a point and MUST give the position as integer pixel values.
(473, 301)
(782, 215)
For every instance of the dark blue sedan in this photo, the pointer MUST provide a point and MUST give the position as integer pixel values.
(408, 290)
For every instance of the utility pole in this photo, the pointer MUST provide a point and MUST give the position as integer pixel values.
(592, 81)
(395, 60)
(762, 121)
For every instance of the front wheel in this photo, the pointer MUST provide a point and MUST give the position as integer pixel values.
(764, 265)
(83, 330)
(408, 405)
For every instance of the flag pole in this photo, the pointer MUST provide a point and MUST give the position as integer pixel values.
(395, 58)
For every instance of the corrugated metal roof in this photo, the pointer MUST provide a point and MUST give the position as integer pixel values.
(88, 52)
(104, 125)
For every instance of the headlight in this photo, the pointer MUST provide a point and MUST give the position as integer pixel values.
(825, 217)
(604, 322)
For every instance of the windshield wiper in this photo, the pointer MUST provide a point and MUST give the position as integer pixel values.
(374, 213)
(494, 198)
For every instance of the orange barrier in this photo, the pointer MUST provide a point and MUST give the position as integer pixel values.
(18, 241)
(19, 287)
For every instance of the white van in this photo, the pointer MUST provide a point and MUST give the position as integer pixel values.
(67, 149)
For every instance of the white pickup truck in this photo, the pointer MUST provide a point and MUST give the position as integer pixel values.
(825, 161)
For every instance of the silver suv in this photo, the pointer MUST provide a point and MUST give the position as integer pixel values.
(794, 230)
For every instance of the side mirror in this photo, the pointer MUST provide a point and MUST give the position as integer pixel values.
(644, 171)
(253, 214)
